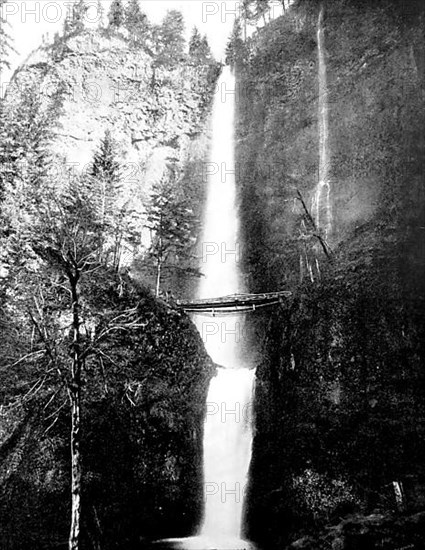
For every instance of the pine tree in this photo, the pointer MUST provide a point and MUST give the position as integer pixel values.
(8, 169)
(169, 39)
(119, 220)
(26, 130)
(195, 42)
(199, 49)
(136, 22)
(78, 16)
(206, 50)
(235, 49)
(106, 183)
(173, 224)
(106, 168)
(100, 13)
(116, 14)
(74, 20)
(254, 10)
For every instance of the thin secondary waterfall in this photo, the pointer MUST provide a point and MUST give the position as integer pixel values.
(321, 202)
(227, 434)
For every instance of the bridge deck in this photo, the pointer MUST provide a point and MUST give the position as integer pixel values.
(235, 303)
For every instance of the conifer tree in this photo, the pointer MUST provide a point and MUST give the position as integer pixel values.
(206, 50)
(235, 49)
(78, 15)
(199, 49)
(106, 183)
(254, 10)
(74, 20)
(173, 225)
(118, 219)
(25, 134)
(136, 22)
(195, 42)
(7, 151)
(116, 14)
(106, 169)
(170, 40)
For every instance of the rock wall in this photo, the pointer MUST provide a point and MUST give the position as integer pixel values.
(376, 133)
(156, 115)
(339, 401)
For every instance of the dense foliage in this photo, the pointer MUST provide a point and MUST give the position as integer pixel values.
(141, 439)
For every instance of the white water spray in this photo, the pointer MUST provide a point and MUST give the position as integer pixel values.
(227, 430)
(321, 201)
(227, 434)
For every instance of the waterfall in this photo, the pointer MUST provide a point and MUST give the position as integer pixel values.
(321, 200)
(227, 451)
(227, 429)
(227, 434)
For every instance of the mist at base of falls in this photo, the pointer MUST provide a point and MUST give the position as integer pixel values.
(203, 542)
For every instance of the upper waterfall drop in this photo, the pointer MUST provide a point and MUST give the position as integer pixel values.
(220, 244)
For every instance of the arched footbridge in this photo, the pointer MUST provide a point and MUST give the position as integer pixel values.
(234, 303)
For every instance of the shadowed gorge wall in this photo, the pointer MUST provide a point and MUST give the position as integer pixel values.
(143, 412)
(339, 397)
(376, 135)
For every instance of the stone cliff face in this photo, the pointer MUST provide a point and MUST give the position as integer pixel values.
(339, 405)
(155, 115)
(376, 139)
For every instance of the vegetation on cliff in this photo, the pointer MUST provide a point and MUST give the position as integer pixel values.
(103, 387)
(79, 329)
(143, 395)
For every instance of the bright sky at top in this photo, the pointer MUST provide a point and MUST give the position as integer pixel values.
(31, 20)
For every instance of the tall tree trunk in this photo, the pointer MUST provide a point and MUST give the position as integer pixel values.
(117, 249)
(75, 398)
(159, 262)
(102, 217)
(158, 277)
(74, 535)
